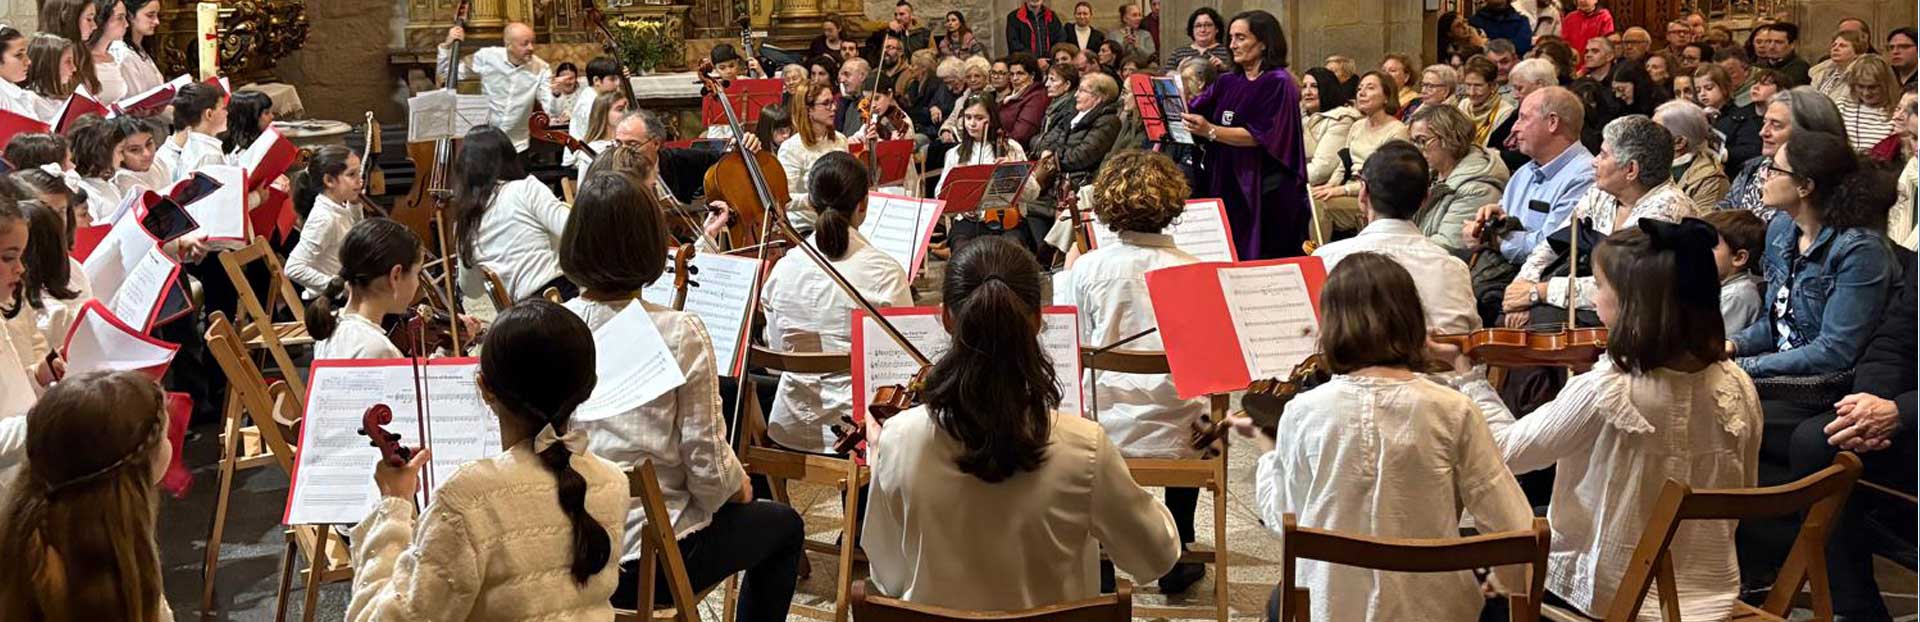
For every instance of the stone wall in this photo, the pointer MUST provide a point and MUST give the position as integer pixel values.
(342, 72)
(989, 19)
(21, 14)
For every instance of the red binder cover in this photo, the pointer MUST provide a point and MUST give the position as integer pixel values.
(77, 106)
(274, 214)
(14, 124)
(893, 156)
(748, 96)
(153, 100)
(86, 238)
(267, 158)
(966, 186)
(1140, 87)
(97, 308)
(1203, 351)
(179, 480)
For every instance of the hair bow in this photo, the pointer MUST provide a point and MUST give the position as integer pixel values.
(1696, 279)
(575, 440)
(1686, 235)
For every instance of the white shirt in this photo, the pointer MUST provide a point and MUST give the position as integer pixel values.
(55, 315)
(581, 162)
(45, 108)
(1442, 280)
(682, 431)
(29, 344)
(316, 259)
(139, 71)
(18, 391)
(511, 89)
(982, 153)
(937, 536)
(806, 312)
(200, 151)
(579, 113)
(1141, 413)
(1388, 458)
(1614, 439)
(355, 337)
(113, 83)
(158, 177)
(20, 101)
(798, 159)
(1664, 202)
(519, 236)
(103, 196)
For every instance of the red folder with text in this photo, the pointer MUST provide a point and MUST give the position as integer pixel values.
(1225, 325)
(13, 124)
(748, 96)
(77, 105)
(893, 156)
(267, 158)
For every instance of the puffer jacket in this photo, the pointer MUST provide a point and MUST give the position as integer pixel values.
(1477, 181)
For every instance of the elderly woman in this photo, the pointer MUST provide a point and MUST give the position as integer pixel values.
(1339, 202)
(1062, 80)
(1023, 107)
(1738, 126)
(1080, 144)
(1326, 118)
(1696, 163)
(1790, 113)
(1466, 176)
(1437, 85)
(1401, 69)
(1480, 78)
(1632, 179)
(1830, 76)
(1874, 95)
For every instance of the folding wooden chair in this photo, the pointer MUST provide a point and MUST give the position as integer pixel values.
(1821, 496)
(1115, 607)
(1209, 474)
(784, 465)
(278, 410)
(497, 292)
(254, 317)
(242, 447)
(1526, 546)
(568, 188)
(660, 549)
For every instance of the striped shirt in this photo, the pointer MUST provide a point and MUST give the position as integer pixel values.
(1866, 125)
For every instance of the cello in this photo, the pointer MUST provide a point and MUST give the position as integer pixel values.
(751, 183)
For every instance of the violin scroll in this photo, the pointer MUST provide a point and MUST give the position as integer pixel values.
(371, 426)
(1264, 401)
(887, 401)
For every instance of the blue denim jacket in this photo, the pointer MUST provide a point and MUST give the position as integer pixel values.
(1838, 296)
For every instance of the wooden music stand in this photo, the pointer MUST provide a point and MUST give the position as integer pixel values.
(1527, 546)
(660, 549)
(1115, 607)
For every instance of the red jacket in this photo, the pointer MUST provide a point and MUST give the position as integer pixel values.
(1577, 27)
(1025, 115)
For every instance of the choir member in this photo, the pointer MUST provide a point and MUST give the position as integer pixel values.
(96, 159)
(139, 166)
(20, 383)
(327, 196)
(199, 117)
(108, 83)
(50, 76)
(134, 52)
(1257, 165)
(14, 68)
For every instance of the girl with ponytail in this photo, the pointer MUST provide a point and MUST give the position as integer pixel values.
(380, 263)
(526, 534)
(988, 454)
(806, 312)
(327, 197)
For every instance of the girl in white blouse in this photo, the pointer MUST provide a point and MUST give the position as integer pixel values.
(494, 544)
(327, 196)
(379, 272)
(20, 383)
(986, 142)
(987, 498)
(52, 76)
(1381, 451)
(1138, 193)
(721, 529)
(96, 445)
(52, 288)
(110, 26)
(806, 312)
(13, 71)
(814, 135)
(199, 116)
(136, 63)
(139, 166)
(1664, 403)
(505, 219)
(96, 158)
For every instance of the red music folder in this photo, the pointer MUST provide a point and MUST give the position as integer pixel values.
(13, 124)
(1227, 324)
(748, 96)
(77, 106)
(101, 341)
(86, 238)
(893, 156)
(985, 186)
(151, 101)
(267, 158)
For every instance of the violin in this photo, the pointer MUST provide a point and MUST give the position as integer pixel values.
(1264, 401)
(371, 426)
(540, 128)
(682, 273)
(887, 401)
(1575, 348)
(1070, 201)
(424, 332)
(750, 183)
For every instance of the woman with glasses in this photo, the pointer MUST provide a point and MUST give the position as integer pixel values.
(1255, 158)
(1788, 114)
(1437, 85)
(1203, 27)
(1466, 175)
(813, 135)
(1480, 78)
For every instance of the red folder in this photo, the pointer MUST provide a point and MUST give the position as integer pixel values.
(77, 106)
(1140, 87)
(97, 308)
(1203, 352)
(13, 124)
(179, 480)
(274, 214)
(267, 158)
(86, 238)
(748, 96)
(893, 156)
(151, 101)
(967, 185)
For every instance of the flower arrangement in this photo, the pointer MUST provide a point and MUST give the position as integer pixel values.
(647, 43)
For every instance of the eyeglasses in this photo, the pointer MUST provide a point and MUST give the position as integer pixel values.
(828, 103)
(1422, 140)
(999, 72)
(1776, 169)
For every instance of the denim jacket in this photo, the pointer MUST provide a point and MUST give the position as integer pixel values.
(1838, 295)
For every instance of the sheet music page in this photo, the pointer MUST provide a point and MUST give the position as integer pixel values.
(136, 297)
(133, 197)
(1272, 317)
(459, 427)
(97, 343)
(333, 480)
(883, 363)
(633, 363)
(725, 286)
(430, 115)
(1005, 184)
(222, 214)
(470, 111)
(1061, 340)
(126, 245)
(899, 226)
(1200, 231)
(1172, 105)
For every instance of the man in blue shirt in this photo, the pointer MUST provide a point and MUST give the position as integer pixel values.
(1543, 192)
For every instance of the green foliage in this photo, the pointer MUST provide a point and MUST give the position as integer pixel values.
(648, 43)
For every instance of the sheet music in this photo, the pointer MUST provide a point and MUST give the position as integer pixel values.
(884, 363)
(470, 111)
(459, 427)
(1272, 315)
(222, 214)
(133, 197)
(1062, 283)
(1172, 104)
(718, 292)
(633, 363)
(899, 226)
(430, 115)
(143, 288)
(97, 343)
(1200, 231)
(1004, 187)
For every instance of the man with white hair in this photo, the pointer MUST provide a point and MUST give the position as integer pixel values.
(1524, 78)
(1542, 193)
(511, 78)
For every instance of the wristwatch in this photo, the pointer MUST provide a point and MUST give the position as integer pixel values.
(1533, 295)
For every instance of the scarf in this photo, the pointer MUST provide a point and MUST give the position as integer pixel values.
(1483, 122)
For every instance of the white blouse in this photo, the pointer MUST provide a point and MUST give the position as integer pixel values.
(806, 312)
(56, 316)
(1614, 439)
(20, 101)
(1389, 458)
(157, 177)
(937, 536)
(493, 545)
(30, 344)
(200, 151)
(682, 432)
(103, 196)
(1665, 202)
(982, 154)
(519, 236)
(798, 159)
(113, 83)
(355, 337)
(18, 391)
(315, 261)
(139, 70)
(1142, 413)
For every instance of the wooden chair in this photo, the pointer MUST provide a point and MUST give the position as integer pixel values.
(783, 465)
(278, 410)
(1115, 607)
(497, 292)
(242, 447)
(568, 188)
(1209, 474)
(254, 316)
(660, 549)
(1821, 496)
(1521, 547)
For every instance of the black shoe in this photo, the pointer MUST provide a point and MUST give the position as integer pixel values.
(1183, 576)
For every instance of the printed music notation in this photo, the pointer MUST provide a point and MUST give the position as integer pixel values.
(1273, 317)
(878, 362)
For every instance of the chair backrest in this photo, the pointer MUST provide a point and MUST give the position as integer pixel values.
(246, 382)
(1115, 607)
(799, 362)
(658, 546)
(497, 292)
(1820, 495)
(1521, 547)
(1138, 362)
(256, 312)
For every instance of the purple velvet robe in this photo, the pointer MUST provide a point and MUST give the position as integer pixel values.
(1264, 187)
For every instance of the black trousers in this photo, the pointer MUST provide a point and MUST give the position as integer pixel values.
(762, 538)
(1182, 502)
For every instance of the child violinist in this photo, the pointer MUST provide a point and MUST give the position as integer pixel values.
(327, 197)
(380, 263)
(721, 529)
(526, 534)
(1380, 450)
(1138, 193)
(989, 453)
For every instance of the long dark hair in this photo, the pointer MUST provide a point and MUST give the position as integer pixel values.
(487, 158)
(147, 47)
(995, 390)
(1332, 93)
(243, 119)
(1668, 293)
(837, 184)
(612, 224)
(370, 251)
(43, 76)
(327, 162)
(35, 149)
(48, 270)
(1266, 29)
(996, 136)
(1846, 194)
(538, 364)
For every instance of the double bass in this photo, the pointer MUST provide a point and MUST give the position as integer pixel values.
(426, 209)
